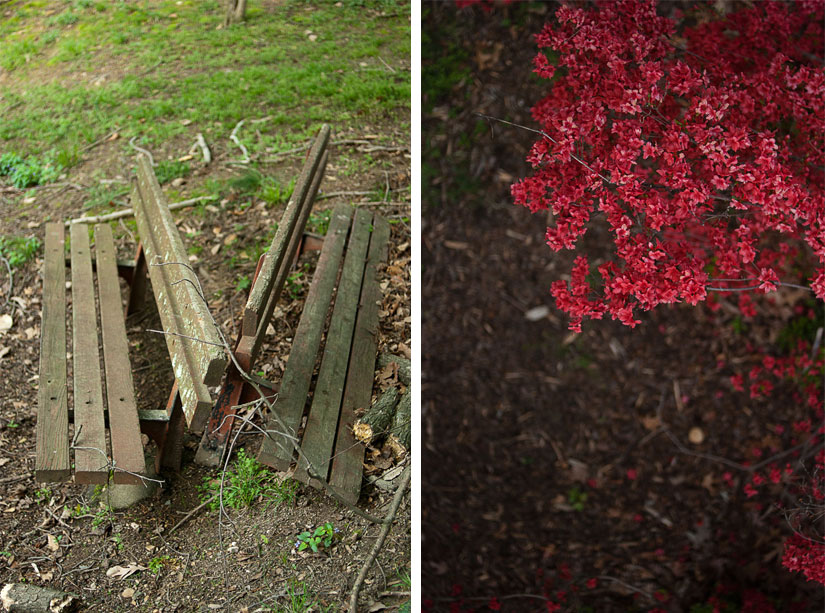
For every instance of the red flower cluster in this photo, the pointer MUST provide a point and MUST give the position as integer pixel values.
(702, 149)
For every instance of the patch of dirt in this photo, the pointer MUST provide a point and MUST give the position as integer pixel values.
(548, 471)
(64, 539)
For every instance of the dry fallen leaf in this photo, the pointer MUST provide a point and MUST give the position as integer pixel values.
(5, 323)
(121, 572)
(53, 544)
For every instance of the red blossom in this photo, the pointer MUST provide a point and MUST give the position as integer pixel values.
(494, 604)
(679, 157)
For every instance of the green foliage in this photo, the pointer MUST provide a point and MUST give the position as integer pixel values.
(323, 536)
(168, 170)
(274, 193)
(319, 222)
(248, 482)
(26, 172)
(576, 498)
(244, 283)
(44, 494)
(18, 250)
(299, 598)
(158, 562)
(295, 284)
(802, 327)
(171, 70)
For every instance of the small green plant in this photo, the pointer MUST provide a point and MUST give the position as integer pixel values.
(44, 494)
(248, 482)
(244, 283)
(319, 222)
(27, 172)
(118, 541)
(273, 193)
(299, 599)
(294, 284)
(158, 562)
(167, 170)
(323, 536)
(576, 498)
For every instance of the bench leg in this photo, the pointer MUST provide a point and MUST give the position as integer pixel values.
(137, 286)
(171, 451)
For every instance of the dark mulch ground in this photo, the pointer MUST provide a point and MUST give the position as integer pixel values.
(531, 434)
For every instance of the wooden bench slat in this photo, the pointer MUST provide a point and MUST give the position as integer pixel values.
(195, 397)
(292, 393)
(53, 463)
(347, 465)
(277, 255)
(91, 459)
(286, 265)
(194, 318)
(124, 428)
(319, 435)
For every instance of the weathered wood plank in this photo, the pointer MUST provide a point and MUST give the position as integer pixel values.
(276, 256)
(319, 435)
(347, 465)
(286, 264)
(184, 294)
(52, 463)
(124, 429)
(195, 396)
(292, 394)
(91, 458)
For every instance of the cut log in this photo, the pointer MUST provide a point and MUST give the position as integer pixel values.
(27, 598)
(402, 363)
(401, 420)
(377, 420)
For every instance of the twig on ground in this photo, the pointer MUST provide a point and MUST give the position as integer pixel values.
(141, 150)
(129, 212)
(190, 514)
(234, 138)
(385, 530)
(207, 154)
(11, 280)
(390, 68)
(100, 141)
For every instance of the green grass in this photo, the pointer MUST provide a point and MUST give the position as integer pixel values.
(298, 598)
(165, 62)
(18, 250)
(247, 482)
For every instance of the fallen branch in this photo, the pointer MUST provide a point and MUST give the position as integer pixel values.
(28, 598)
(207, 154)
(130, 212)
(100, 142)
(382, 536)
(234, 138)
(11, 280)
(190, 514)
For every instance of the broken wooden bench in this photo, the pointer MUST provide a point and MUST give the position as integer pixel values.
(93, 462)
(193, 340)
(353, 249)
(272, 271)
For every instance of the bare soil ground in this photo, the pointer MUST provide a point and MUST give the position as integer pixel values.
(549, 472)
(62, 538)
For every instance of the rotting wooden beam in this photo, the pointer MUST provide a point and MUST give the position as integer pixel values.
(52, 462)
(91, 458)
(124, 428)
(319, 434)
(194, 394)
(348, 455)
(292, 394)
(258, 297)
